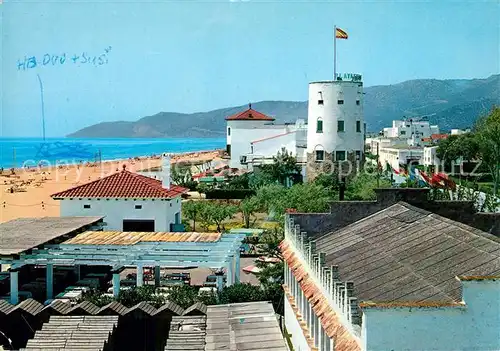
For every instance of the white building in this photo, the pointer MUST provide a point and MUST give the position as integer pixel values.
(430, 157)
(394, 280)
(336, 128)
(253, 138)
(400, 155)
(128, 201)
(406, 129)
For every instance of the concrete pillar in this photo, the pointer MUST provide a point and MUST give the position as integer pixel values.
(49, 280)
(157, 275)
(315, 333)
(78, 272)
(237, 266)
(116, 284)
(230, 272)
(14, 287)
(219, 282)
(140, 275)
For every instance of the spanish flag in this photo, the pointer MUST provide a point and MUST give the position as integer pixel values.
(340, 34)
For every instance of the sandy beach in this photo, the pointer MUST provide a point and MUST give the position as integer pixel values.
(27, 193)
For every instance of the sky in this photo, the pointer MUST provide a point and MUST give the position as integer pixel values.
(123, 60)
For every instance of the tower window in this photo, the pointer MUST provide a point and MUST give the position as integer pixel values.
(358, 155)
(340, 126)
(86, 206)
(340, 155)
(340, 102)
(358, 126)
(320, 102)
(229, 131)
(320, 155)
(138, 207)
(358, 102)
(319, 125)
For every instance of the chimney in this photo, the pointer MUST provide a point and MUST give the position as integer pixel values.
(165, 171)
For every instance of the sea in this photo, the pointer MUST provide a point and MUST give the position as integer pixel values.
(20, 152)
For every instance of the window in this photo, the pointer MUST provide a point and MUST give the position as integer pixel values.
(320, 155)
(229, 131)
(340, 155)
(358, 126)
(358, 102)
(138, 207)
(320, 102)
(403, 132)
(358, 155)
(340, 126)
(319, 125)
(86, 206)
(340, 102)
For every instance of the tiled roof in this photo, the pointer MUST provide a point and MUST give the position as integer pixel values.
(344, 340)
(404, 254)
(131, 238)
(123, 184)
(249, 115)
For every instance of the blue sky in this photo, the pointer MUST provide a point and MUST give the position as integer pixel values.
(188, 56)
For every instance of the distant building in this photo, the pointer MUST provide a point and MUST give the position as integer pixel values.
(409, 128)
(129, 201)
(386, 275)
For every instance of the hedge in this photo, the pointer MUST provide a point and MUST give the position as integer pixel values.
(227, 194)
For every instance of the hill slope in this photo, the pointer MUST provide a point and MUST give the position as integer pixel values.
(452, 103)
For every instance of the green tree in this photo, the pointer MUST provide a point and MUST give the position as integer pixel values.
(487, 132)
(241, 292)
(283, 168)
(191, 211)
(213, 212)
(362, 186)
(248, 208)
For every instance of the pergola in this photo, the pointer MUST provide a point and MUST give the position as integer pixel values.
(134, 249)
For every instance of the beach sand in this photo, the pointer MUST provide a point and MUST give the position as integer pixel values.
(39, 183)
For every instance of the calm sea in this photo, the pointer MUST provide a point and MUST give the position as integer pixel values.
(14, 152)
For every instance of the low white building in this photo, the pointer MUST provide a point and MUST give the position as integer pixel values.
(128, 201)
(399, 279)
(400, 155)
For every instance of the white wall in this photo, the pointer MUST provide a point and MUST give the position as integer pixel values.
(116, 210)
(244, 132)
(293, 328)
(430, 156)
(405, 129)
(331, 140)
(474, 327)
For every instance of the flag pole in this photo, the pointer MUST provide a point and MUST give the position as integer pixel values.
(334, 53)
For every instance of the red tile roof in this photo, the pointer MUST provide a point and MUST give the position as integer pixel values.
(439, 136)
(123, 184)
(249, 115)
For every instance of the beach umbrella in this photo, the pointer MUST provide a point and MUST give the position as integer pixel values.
(252, 269)
(268, 259)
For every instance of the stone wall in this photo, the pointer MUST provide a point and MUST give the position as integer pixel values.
(346, 169)
(343, 213)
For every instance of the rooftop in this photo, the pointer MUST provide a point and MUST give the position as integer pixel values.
(23, 234)
(243, 326)
(249, 115)
(131, 238)
(405, 254)
(122, 184)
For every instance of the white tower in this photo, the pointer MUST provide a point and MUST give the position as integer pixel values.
(335, 122)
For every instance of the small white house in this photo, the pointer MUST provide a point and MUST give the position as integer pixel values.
(129, 201)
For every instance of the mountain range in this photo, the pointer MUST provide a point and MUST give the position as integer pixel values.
(454, 103)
